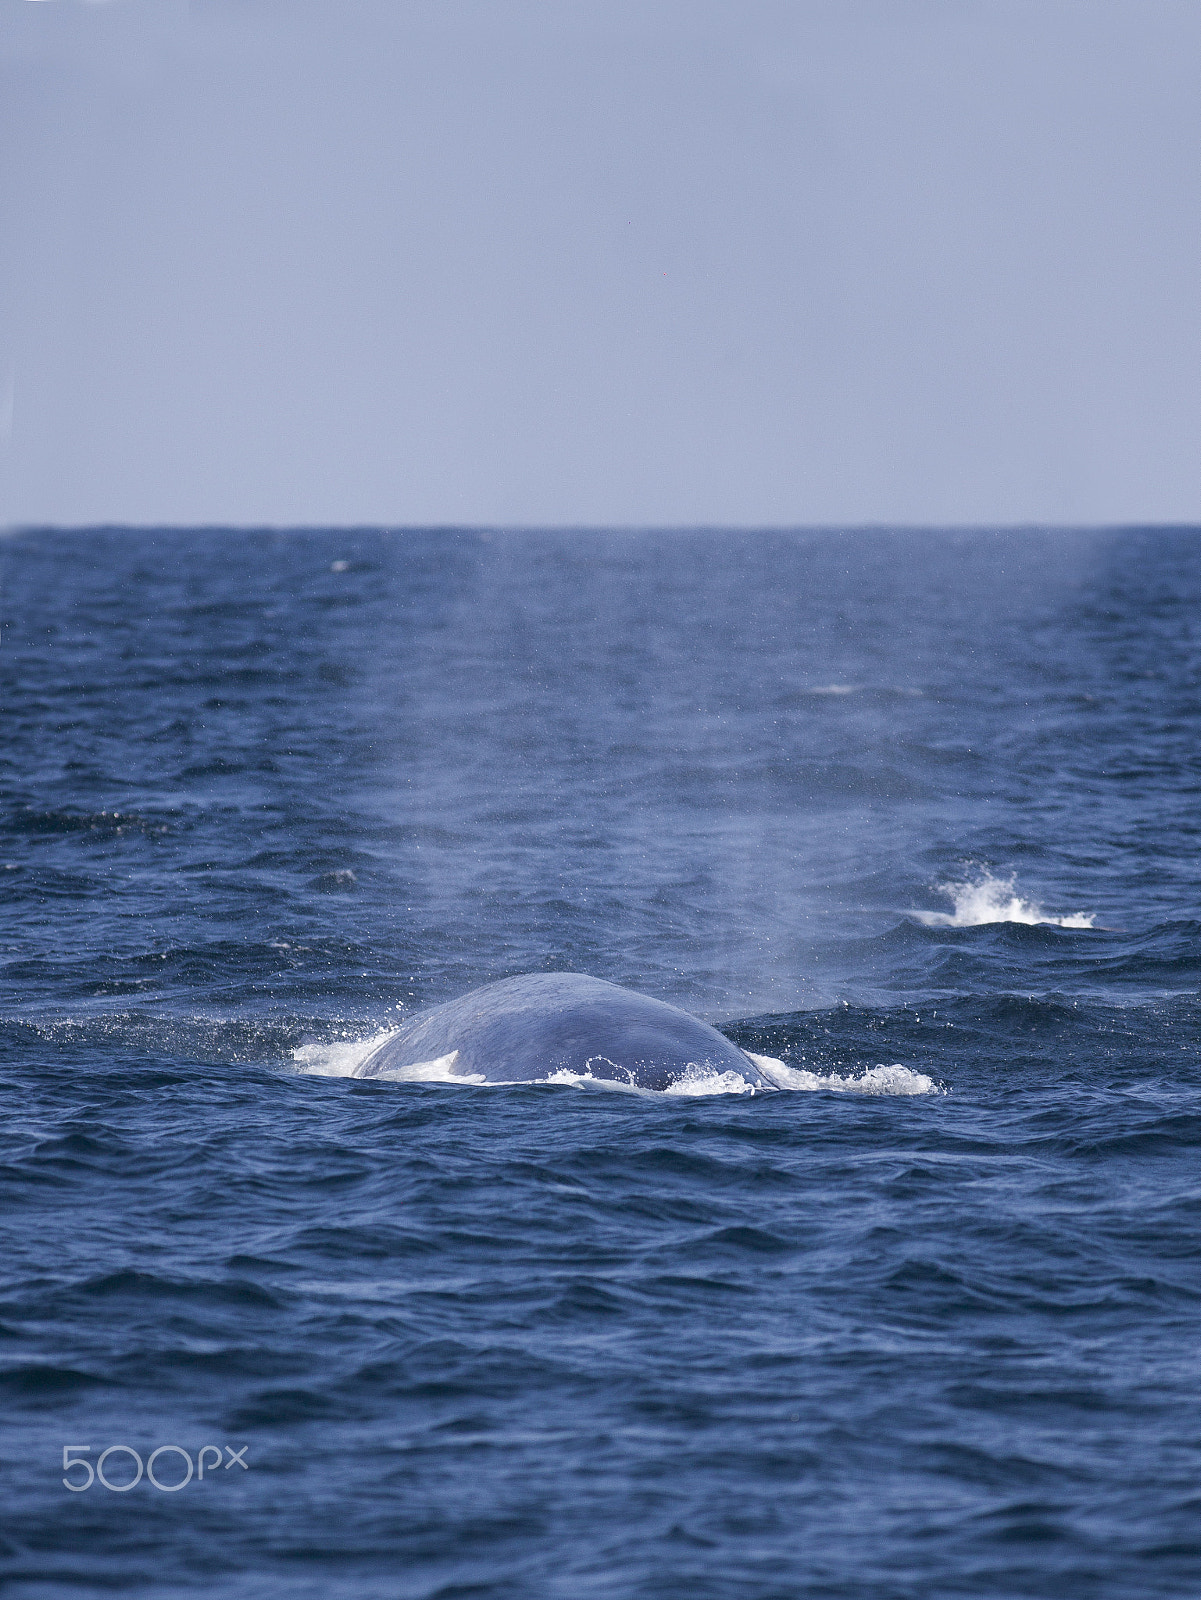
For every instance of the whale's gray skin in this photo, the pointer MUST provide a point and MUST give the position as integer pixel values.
(523, 1029)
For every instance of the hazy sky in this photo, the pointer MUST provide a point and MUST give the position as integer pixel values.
(596, 261)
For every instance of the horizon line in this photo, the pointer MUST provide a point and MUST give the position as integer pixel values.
(1125, 526)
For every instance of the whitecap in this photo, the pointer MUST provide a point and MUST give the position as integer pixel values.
(894, 1079)
(985, 899)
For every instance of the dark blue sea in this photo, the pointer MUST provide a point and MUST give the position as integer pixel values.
(917, 814)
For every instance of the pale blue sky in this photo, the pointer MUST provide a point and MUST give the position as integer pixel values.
(600, 261)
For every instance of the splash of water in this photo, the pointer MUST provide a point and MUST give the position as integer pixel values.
(986, 898)
(338, 1058)
(894, 1079)
(341, 1058)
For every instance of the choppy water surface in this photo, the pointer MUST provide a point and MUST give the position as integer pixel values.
(916, 815)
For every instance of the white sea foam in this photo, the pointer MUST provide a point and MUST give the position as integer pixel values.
(440, 1070)
(342, 1059)
(985, 899)
(698, 1082)
(895, 1079)
(590, 1080)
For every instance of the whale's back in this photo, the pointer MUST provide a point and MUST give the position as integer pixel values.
(521, 1030)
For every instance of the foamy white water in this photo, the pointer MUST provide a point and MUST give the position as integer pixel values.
(339, 1059)
(985, 899)
(895, 1079)
(342, 1059)
(439, 1070)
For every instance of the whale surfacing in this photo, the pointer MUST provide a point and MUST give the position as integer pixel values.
(524, 1030)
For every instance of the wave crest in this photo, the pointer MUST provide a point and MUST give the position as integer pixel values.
(985, 899)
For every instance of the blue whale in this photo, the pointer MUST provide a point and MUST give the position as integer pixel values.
(523, 1030)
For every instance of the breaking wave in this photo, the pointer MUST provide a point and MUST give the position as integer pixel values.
(985, 898)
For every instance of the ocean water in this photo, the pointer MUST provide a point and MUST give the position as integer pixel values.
(915, 814)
